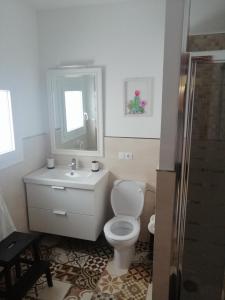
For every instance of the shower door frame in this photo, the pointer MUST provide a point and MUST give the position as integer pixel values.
(184, 133)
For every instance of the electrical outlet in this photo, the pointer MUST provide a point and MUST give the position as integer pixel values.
(121, 155)
(125, 155)
(128, 155)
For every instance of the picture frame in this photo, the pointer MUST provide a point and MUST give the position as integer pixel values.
(138, 96)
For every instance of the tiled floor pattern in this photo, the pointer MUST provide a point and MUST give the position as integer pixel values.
(81, 270)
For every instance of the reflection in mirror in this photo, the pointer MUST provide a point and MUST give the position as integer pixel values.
(75, 122)
(76, 110)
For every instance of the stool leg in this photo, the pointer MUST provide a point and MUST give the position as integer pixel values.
(49, 277)
(36, 251)
(18, 269)
(8, 282)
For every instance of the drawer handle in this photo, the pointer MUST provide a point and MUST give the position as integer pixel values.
(59, 212)
(55, 187)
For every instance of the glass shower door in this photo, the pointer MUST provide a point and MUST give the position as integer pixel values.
(203, 256)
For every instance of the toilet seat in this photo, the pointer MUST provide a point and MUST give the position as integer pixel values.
(122, 228)
(127, 198)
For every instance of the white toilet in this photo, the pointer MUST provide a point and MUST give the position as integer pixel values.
(122, 231)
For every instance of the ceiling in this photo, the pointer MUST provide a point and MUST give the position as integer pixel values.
(52, 4)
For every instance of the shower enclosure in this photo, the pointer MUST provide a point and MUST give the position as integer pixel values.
(197, 270)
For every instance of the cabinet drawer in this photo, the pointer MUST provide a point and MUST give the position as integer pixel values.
(55, 222)
(51, 197)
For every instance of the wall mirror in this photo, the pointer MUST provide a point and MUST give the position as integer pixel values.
(76, 111)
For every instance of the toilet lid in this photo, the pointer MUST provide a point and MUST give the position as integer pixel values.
(127, 198)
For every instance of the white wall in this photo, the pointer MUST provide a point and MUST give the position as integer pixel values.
(19, 65)
(19, 73)
(126, 38)
(171, 72)
(207, 16)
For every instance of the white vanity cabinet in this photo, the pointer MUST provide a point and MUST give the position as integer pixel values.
(70, 207)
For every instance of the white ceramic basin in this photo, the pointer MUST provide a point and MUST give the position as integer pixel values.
(78, 174)
(61, 176)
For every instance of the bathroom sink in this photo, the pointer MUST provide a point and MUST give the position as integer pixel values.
(78, 174)
(61, 176)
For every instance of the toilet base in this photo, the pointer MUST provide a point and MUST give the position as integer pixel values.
(123, 257)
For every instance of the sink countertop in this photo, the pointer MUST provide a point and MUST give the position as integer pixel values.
(60, 176)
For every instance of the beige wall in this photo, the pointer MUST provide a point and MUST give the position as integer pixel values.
(11, 179)
(163, 234)
(142, 167)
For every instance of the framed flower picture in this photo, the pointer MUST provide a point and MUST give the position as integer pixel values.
(138, 96)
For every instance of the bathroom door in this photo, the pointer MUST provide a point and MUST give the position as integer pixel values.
(201, 205)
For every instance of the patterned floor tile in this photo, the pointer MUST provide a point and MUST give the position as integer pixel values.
(45, 252)
(84, 265)
(68, 257)
(103, 296)
(109, 284)
(34, 291)
(139, 272)
(57, 292)
(54, 267)
(101, 246)
(133, 289)
(65, 273)
(96, 263)
(143, 258)
(76, 293)
(43, 292)
(103, 251)
(141, 246)
(87, 279)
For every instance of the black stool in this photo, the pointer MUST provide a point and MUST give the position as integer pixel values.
(11, 249)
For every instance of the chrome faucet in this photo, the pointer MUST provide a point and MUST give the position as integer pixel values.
(73, 164)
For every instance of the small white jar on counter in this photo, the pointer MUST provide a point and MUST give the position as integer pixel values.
(94, 166)
(50, 163)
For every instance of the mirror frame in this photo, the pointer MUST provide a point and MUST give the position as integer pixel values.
(52, 75)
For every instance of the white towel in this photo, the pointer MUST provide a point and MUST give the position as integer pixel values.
(6, 223)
